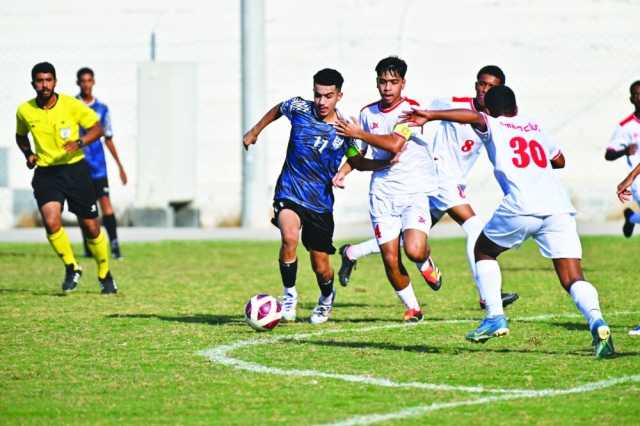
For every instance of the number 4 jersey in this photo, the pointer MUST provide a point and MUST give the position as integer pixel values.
(521, 155)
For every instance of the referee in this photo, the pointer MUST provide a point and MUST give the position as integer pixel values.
(54, 121)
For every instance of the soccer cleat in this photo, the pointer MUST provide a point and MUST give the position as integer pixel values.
(321, 312)
(602, 340)
(507, 299)
(432, 275)
(71, 278)
(115, 250)
(108, 284)
(489, 327)
(346, 267)
(635, 331)
(289, 304)
(413, 315)
(627, 228)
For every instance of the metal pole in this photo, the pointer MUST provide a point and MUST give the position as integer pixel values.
(253, 95)
(152, 46)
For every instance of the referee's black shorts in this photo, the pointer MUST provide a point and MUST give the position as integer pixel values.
(317, 228)
(71, 183)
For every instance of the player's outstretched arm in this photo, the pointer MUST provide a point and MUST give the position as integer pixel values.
(393, 143)
(114, 153)
(624, 194)
(25, 147)
(251, 137)
(612, 154)
(418, 117)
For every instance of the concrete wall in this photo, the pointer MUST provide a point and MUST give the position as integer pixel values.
(569, 62)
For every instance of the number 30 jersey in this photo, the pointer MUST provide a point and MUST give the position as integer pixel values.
(521, 155)
(456, 146)
(313, 158)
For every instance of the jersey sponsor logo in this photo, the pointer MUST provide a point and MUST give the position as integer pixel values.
(531, 127)
(337, 142)
(422, 220)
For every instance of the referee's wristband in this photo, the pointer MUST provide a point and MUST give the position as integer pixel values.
(80, 143)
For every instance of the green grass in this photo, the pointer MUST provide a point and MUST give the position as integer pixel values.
(132, 358)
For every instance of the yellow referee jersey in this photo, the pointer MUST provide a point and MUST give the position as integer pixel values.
(52, 128)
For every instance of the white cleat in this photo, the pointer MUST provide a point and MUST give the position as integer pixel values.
(322, 311)
(289, 304)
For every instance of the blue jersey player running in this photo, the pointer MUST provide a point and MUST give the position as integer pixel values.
(303, 199)
(94, 155)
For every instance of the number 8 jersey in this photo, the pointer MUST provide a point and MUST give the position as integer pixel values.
(521, 155)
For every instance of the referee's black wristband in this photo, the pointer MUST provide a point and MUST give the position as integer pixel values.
(80, 143)
(27, 153)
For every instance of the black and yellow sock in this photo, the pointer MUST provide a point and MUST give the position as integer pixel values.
(59, 240)
(100, 251)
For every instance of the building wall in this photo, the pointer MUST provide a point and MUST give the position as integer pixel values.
(570, 64)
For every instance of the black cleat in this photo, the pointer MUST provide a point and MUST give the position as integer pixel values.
(71, 278)
(627, 228)
(507, 299)
(115, 250)
(108, 284)
(346, 267)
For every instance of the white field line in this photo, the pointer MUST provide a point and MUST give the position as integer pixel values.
(219, 354)
(424, 409)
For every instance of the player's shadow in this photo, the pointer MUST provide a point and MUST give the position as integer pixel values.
(31, 292)
(19, 254)
(575, 326)
(339, 305)
(187, 319)
(370, 345)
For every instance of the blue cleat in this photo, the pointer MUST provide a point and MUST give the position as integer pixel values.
(635, 331)
(602, 341)
(489, 327)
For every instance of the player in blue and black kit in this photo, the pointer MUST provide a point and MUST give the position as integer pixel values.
(94, 155)
(304, 197)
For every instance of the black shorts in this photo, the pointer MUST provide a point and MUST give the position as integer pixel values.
(70, 182)
(101, 187)
(317, 228)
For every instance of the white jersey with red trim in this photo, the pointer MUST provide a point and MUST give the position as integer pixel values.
(520, 153)
(627, 133)
(456, 146)
(414, 172)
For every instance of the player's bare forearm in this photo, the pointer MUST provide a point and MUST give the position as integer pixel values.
(624, 194)
(93, 133)
(114, 152)
(350, 128)
(420, 117)
(252, 134)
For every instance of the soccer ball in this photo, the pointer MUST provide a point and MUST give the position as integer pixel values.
(263, 312)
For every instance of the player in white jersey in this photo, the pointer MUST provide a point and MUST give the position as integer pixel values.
(398, 195)
(624, 194)
(624, 143)
(456, 149)
(535, 204)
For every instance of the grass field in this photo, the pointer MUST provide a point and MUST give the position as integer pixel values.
(137, 358)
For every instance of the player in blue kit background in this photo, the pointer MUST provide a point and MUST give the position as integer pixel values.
(94, 155)
(303, 199)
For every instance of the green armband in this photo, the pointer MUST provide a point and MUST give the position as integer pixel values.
(352, 151)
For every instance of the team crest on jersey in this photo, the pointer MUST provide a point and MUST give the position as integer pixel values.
(337, 142)
(65, 132)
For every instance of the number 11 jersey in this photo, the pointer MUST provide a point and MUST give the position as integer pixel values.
(521, 155)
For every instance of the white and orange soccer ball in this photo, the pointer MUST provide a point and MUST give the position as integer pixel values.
(263, 312)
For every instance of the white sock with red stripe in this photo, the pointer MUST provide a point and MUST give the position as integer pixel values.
(489, 285)
(408, 297)
(472, 227)
(365, 248)
(585, 296)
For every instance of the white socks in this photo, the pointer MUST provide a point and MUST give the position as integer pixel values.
(472, 227)
(291, 292)
(365, 248)
(489, 285)
(408, 297)
(585, 297)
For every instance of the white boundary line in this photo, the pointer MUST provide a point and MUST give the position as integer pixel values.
(219, 354)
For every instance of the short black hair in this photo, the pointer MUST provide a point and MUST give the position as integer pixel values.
(43, 67)
(84, 70)
(633, 86)
(500, 100)
(392, 65)
(328, 77)
(493, 70)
